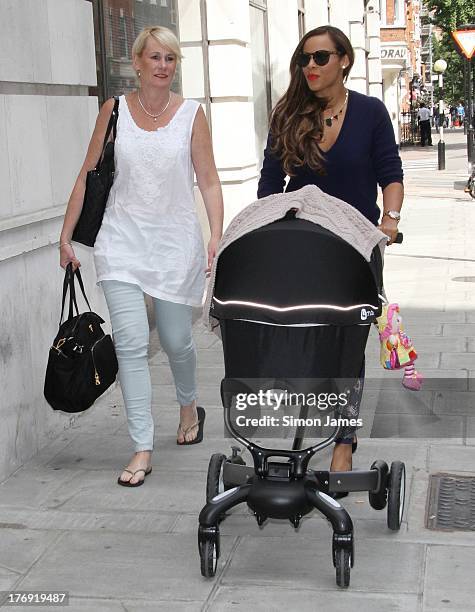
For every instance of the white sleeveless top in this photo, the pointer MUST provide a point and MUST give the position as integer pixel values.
(150, 235)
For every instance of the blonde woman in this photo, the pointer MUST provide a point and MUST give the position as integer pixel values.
(150, 240)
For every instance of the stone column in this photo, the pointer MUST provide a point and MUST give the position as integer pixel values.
(373, 29)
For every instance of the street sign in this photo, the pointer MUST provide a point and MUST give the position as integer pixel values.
(465, 39)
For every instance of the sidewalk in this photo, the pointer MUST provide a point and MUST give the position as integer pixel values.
(65, 525)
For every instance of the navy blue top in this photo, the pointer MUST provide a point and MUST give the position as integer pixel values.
(364, 155)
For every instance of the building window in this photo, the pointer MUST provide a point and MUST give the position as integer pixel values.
(260, 75)
(123, 43)
(392, 13)
(116, 25)
(110, 30)
(399, 12)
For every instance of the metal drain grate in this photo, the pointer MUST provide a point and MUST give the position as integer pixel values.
(451, 502)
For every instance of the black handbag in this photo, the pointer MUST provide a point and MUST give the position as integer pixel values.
(98, 185)
(82, 362)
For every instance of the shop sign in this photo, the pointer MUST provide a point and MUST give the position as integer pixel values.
(394, 53)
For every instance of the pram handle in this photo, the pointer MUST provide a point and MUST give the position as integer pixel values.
(298, 459)
(291, 215)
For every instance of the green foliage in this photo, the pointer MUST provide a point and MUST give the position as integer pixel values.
(448, 14)
(453, 76)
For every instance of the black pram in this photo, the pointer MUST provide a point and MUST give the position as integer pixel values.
(294, 303)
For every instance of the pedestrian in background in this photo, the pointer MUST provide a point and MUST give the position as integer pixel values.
(461, 113)
(447, 117)
(453, 115)
(340, 140)
(150, 240)
(424, 125)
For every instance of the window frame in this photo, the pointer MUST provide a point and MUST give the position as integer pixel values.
(106, 44)
(401, 23)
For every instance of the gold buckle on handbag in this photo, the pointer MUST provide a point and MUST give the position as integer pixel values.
(59, 344)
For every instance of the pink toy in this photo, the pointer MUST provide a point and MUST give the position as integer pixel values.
(397, 350)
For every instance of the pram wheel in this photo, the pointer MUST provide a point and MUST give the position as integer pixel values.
(379, 499)
(214, 482)
(343, 567)
(209, 558)
(396, 494)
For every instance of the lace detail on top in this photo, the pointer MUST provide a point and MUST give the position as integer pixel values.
(150, 234)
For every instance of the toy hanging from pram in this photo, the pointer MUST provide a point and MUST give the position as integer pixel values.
(397, 350)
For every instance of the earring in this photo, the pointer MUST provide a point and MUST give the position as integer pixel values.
(343, 67)
(138, 73)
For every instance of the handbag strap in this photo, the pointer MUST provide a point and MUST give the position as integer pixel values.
(111, 126)
(81, 285)
(68, 283)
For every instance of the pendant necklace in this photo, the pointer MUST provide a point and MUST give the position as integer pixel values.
(329, 120)
(155, 117)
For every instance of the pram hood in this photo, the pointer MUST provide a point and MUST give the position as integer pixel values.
(323, 267)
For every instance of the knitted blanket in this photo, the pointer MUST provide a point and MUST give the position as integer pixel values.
(313, 205)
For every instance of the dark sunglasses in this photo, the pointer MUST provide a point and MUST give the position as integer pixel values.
(321, 58)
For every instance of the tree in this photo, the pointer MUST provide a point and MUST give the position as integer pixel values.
(449, 14)
(453, 77)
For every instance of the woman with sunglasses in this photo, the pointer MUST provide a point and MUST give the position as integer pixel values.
(323, 134)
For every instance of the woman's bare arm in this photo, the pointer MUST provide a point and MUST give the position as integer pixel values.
(208, 180)
(76, 198)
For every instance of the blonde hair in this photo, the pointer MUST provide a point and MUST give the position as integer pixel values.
(162, 35)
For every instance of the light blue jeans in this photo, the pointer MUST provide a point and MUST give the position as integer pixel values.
(130, 330)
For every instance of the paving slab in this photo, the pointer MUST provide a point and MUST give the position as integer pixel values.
(155, 564)
(458, 360)
(454, 402)
(33, 486)
(164, 606)
(7, 579)
(73, 520)
(401, 401)
(90, 604)
(263, 599)
(264, 561)
(464, 330)
(167, 492)
(418, 426)
(451, 459)
(435, 344)
(448, 583)
(21, 548)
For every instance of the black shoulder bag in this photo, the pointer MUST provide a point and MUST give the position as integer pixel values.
(98, 185)
(82, 363)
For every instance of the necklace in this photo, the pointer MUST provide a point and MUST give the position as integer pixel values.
(329, 120)
(154, 117)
